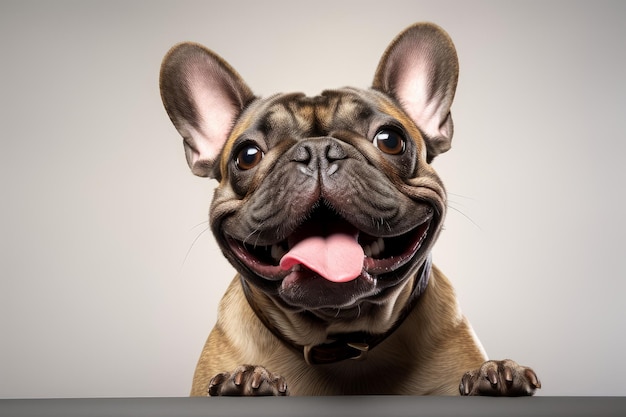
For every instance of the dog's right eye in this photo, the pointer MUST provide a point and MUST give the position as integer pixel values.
(390, 141)
(248, 157)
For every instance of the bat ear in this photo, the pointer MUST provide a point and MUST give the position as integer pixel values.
(203, 97)
(420, 70)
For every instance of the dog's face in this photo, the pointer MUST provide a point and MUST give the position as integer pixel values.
(325, 202)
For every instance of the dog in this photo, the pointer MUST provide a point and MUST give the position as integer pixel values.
(328, 207)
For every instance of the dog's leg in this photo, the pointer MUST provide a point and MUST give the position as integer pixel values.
(247, 380)
(500, 378)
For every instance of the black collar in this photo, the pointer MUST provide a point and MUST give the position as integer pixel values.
(344, 346)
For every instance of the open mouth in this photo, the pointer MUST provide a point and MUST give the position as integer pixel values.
(328, 246)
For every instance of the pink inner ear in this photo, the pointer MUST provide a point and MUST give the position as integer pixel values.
(216, 114)
(413, 92)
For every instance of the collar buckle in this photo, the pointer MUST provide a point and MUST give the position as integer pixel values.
(362, 349)
(335, 351)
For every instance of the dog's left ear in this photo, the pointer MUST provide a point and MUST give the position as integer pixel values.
(420, 70)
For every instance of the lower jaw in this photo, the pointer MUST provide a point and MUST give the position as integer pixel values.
(313, 293)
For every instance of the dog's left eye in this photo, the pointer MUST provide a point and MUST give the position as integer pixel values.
(248, 157)
(390, 141)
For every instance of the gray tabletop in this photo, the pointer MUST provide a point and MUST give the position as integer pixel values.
(379, 406)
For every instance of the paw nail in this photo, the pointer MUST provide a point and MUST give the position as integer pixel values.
(282, 387)
(465, 385)
(256, 381)
(216, 380)
(238, 379)
(532, 378)
(508, 375)
(492, 376)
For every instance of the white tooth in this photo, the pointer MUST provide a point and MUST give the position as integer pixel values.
(277, 252)
(375, 249)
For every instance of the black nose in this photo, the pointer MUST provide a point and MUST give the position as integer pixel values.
(319, 156)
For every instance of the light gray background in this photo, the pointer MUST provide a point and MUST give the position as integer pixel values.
(109, 279)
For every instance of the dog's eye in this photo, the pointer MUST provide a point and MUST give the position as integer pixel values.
(390, 141)
(248, 157)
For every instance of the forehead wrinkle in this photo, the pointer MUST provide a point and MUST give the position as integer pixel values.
(291, 114)
(345, 109)
(324, 108)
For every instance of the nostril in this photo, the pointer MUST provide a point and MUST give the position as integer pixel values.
(318, 153)
(335, 152)
(302, 154)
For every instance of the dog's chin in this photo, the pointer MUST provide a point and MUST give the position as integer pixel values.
(387, 262)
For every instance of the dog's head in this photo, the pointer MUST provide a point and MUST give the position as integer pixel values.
(324, 202)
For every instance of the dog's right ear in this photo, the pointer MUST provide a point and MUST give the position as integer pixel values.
(420, 70)
(203, 97)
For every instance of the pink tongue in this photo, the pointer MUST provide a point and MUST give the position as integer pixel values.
(338, 257)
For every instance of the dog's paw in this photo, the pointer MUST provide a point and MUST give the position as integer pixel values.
(500, 378)
(247, 380)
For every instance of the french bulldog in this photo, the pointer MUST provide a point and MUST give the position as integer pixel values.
(328, 207)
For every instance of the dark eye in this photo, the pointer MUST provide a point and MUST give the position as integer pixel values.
(390, 141)
(248, 156)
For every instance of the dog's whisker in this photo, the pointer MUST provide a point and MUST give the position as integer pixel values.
(252, 233)
(461, 196)
(206, 222)
(206, 229)
(258, 236)
(450, 206)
